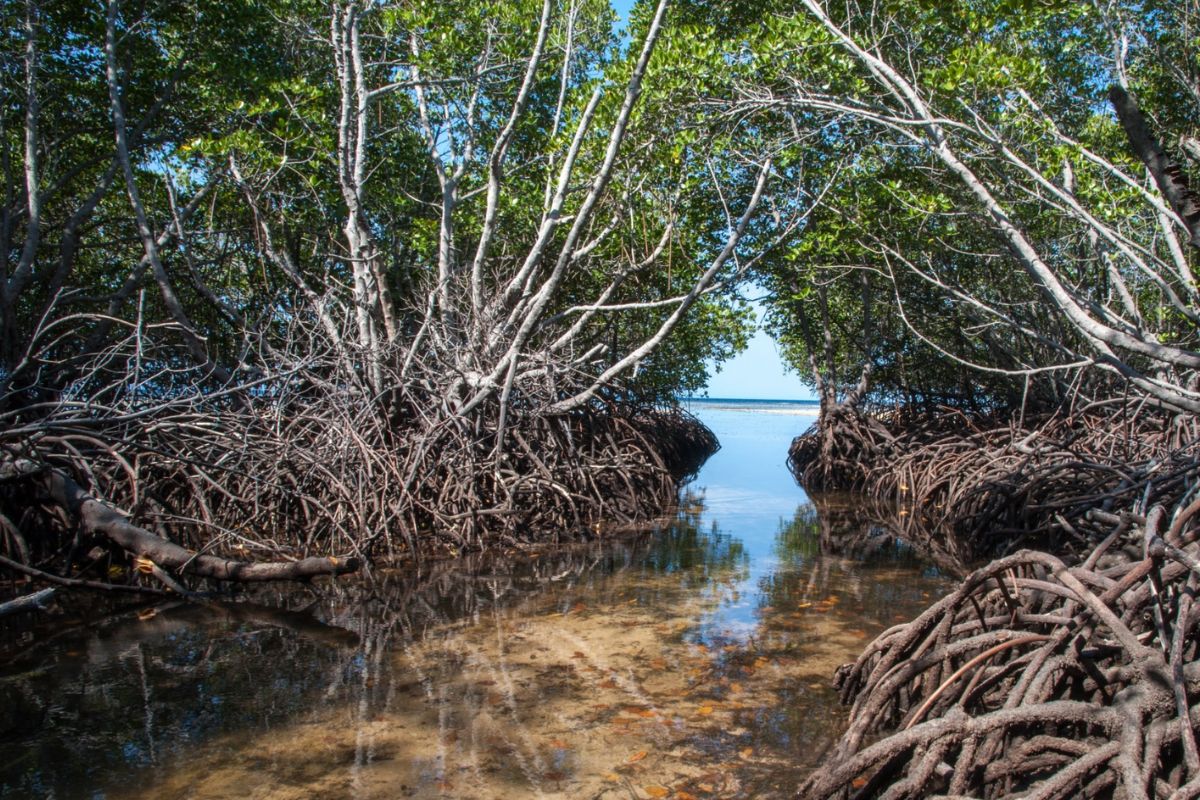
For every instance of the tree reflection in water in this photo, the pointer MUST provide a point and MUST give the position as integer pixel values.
(570, 671)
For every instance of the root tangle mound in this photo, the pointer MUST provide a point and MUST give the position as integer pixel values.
(1037, 679)
(1041, 676)
(169, 478)
(995, 483)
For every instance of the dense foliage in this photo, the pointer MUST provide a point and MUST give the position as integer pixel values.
(274, 145)
(995, 234)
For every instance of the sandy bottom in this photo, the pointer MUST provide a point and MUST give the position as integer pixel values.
(629, 699)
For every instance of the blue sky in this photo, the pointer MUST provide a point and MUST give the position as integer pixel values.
(758, 374)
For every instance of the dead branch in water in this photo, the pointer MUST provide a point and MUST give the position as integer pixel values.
(33, 601)
(97, 519)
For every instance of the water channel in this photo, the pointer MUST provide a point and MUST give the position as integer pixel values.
(692, 661)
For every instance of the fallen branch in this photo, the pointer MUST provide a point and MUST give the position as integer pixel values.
(31, 602)
(99, 519)
(78, 583)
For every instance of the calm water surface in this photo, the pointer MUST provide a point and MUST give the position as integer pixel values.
(691, 662)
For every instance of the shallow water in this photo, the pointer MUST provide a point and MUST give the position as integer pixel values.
(691, 662)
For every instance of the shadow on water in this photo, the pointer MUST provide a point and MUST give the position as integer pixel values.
(859, 526)
(694, 660)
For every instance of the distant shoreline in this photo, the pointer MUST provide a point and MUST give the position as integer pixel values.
(756, 405)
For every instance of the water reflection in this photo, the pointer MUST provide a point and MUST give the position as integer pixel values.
(690, 661)
(97, 706)
(862, 527)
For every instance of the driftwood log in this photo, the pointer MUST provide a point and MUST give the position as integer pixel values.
(153, 553)
(34, 601)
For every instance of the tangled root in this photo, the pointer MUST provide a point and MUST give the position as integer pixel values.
(240, 484)
(1037, 679)
(996, 483)
(307, 461)
(839, 451)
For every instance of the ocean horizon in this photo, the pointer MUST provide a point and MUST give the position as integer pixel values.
(755, 404)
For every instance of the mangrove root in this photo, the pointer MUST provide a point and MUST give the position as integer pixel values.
(1037, 679)
(99, 520)
(996, 483)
